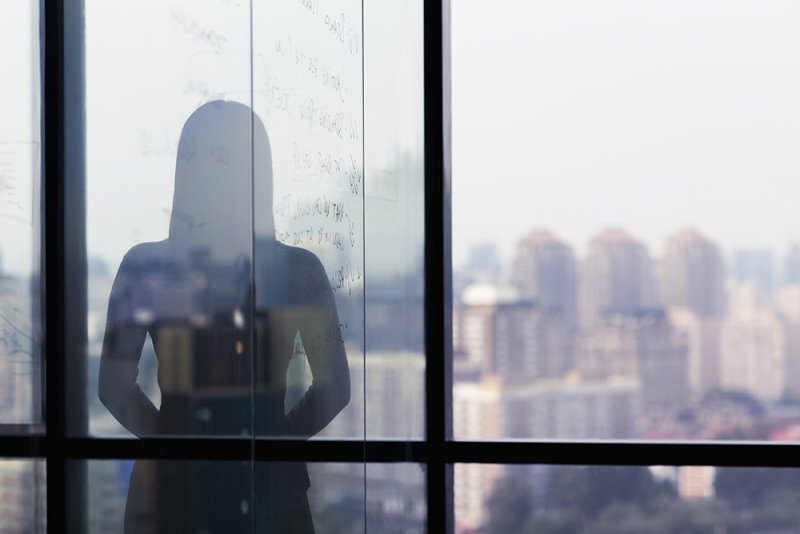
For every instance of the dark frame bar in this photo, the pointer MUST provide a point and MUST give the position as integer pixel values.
(63, 257)
(53, 275)
(642, 453)
(438, 338)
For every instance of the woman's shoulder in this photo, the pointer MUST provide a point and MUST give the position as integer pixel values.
(144, 256)
(297, 260)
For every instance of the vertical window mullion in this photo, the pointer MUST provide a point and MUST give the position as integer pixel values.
(437, 263)
(64, 258)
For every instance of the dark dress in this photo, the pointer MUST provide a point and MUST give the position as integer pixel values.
(222, 372)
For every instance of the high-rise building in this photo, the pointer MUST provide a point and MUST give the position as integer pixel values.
(616, 276)
(755, 267)
(703, 338)
(473, 321)
(692, 274)
(643, 346)
(696, 482)
(791, 266)
(543, 270)
(22, 496)
(788, 305)
(753, 346)
(483, 263)
(515, 340)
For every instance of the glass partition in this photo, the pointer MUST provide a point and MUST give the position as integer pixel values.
(225, 250)
(307, 87)
(20, 225)
(394, 370)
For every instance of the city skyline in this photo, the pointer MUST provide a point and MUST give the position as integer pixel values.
(785, 260)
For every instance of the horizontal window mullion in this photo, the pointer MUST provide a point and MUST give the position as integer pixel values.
(24, 446)
(721, 454)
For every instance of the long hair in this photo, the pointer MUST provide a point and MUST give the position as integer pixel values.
(223, 183)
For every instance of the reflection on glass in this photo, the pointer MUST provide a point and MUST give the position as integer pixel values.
(626, 260)
(217, 323)
(336, 501)
(195, 509)
(625, 499)
(396, 498)
(224, 332)
(23, 496)
(394, 366)
(200, 53)
(20, 373)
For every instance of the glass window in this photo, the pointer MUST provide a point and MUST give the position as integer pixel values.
(20, 141)
(394, 370)
(596, 499)
(625, 247)
(23, 495)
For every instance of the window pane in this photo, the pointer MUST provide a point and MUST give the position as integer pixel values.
(625, 499)
(394, 158)
(20, 229)
(625, 247)
(396, 498)
(146, 496)
(307, 88)
(334, 503)
(23, 496)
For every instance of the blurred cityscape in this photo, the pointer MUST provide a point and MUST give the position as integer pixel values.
(22, 482)
(616, 344)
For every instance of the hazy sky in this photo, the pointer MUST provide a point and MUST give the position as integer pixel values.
(569, 115)
(576, 115)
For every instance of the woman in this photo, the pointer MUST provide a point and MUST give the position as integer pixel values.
(224, 304)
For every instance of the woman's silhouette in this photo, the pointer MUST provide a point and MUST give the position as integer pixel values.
(223, 303)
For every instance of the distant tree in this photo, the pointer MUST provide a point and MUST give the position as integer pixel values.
(628, 500)
(591, 489)
(343, 516)
(779, 512)
(750, 488)
(761, 500)
(554, 522)
(722, 397)
(689, 517)
(510, 505)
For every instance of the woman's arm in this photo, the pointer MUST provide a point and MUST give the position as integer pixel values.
(321, 333)
(119, 359)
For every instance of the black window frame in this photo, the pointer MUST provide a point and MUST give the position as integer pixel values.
(64, 305)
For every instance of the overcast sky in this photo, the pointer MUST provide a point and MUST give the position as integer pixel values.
(576, 115)
(572, 115)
